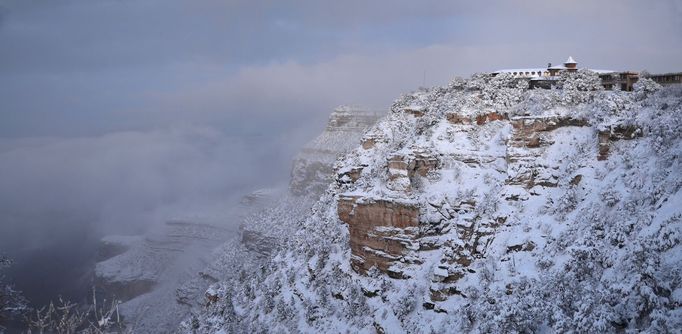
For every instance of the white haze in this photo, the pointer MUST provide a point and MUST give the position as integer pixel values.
(59, 195)
(124, 181)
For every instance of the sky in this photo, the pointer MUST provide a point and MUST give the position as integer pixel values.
(83, 67)
(118, 113)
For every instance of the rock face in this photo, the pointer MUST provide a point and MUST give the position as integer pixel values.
(258, 243)
(389, 233)
(381, 232)
(532, 132)
(614, 133)
(404, 168)
(456, 118)
(313, 168)
(531, 139)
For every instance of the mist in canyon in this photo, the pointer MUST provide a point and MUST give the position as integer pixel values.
(62, 195)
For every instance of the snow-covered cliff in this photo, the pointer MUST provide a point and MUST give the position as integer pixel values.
(482, 206)
(313, 167)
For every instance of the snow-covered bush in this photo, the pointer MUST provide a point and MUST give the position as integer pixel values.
(457, 83)
(575, 86)
(582, 80)
(478, 81)
(644, 87)
(12, 303)
(503, 91)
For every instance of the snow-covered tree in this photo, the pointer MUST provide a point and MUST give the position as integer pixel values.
(12, 303)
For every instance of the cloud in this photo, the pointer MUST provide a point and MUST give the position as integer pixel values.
(125, 182)
(291, 92)
(373, 80)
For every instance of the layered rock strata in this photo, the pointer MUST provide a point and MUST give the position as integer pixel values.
(381, 231)
(390, 232)
(531, 137)
(313, 167)
(312, 171)
(613, 133)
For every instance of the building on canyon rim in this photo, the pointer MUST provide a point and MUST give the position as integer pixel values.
(667, 78)
(547, 77)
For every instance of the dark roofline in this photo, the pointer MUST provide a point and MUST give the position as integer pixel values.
(665, 74)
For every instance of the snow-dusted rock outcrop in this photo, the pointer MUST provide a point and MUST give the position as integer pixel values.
(313, 167)
(312, 171)
(485, 207)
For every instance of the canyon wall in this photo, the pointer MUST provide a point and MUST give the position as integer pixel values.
(313, 167)
(390, 232)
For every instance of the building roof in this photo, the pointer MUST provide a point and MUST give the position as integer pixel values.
(665, 74)
(540, 71)
(544, 79)
(520, 70)
(601, 71)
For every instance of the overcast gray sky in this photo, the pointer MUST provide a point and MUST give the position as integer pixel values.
(83, 67)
